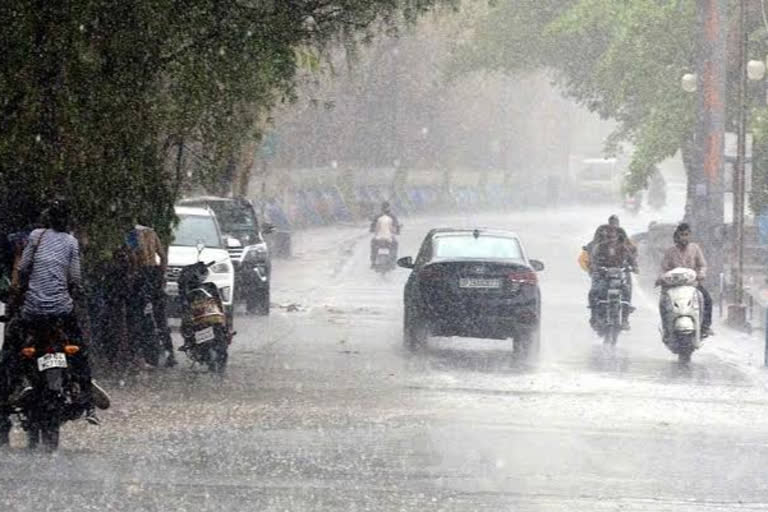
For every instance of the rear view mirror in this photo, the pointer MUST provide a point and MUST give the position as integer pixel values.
(406, 262)
(267, 228)
(537, 265)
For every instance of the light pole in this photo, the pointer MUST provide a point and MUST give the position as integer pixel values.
(752, 70)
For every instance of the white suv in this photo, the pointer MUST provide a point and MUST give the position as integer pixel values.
(199, 226)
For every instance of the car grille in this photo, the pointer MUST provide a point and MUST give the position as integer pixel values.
(172, 273)
(235, 254)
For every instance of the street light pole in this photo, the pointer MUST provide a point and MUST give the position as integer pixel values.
(739, 170)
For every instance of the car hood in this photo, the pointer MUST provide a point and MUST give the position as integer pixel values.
(179, 256)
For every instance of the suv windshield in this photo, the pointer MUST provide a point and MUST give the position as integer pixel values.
(483, 247)
(234, 217)
(192, 229)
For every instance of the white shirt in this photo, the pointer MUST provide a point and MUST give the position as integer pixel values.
(384, 228)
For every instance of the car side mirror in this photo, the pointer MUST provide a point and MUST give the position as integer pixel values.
(537, 265)
(267, 228)
(406, 262)
(233, 243)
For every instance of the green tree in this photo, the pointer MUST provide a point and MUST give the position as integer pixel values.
(98, 96)
(621, 60)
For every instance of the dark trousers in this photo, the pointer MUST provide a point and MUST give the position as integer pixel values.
(147, 287)
(375, 244)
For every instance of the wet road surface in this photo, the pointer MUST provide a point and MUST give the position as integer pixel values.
(323, 409)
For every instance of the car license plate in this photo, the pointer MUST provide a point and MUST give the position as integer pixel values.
(479, 282)
(48, 361)
(384, 251)
(204, 335)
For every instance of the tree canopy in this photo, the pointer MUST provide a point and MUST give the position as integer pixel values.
(622, 60)
(99, 97)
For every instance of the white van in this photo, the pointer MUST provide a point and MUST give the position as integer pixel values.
(199, 226)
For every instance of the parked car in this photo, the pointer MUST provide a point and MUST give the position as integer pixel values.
(197, 237)
(247, 248)
(473, 283)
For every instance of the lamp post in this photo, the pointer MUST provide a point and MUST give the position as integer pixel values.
(752, 70)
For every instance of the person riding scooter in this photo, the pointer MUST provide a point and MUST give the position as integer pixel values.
(611, 252)
(384, 227)
(687, 254)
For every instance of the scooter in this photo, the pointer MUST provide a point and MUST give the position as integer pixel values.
(681, 308)
(633, 202)
(384, 261)
(203, 322)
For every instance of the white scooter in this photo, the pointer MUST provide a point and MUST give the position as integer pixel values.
(681, 309)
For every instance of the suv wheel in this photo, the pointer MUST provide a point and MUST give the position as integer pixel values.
(257, 302)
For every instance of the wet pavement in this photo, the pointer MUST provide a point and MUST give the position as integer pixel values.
(323, 409)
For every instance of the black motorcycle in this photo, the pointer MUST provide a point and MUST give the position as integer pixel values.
(611, 306)
(203, 322)
(48, 393)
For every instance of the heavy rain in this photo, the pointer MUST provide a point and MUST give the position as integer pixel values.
(383, 255)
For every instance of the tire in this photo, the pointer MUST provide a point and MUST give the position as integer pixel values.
(415, 333)
(49, 435)
(611, 335)
(33, 436)
(151, 342)
(684, 356)
(257, 302)
(527, 345)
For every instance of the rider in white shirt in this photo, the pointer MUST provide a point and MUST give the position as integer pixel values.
(384, 227)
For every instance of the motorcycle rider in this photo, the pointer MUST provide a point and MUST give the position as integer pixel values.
(50, 263)
(612, 252)
(148, 261)
(687, 254)
(384, 226)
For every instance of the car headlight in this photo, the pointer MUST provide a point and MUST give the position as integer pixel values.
(223, 267)
(226, 293)
(255, 252)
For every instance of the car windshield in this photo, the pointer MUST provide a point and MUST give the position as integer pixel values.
(193, 229)
(233, 217)
(482, 247)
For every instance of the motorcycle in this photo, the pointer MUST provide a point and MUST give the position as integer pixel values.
(681, 309)
(384, 260)
(633, 202)
(49, 394)
(611, 306)
(203, 322)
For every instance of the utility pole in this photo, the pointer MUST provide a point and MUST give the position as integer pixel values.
(736, 312)
(709, 138)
